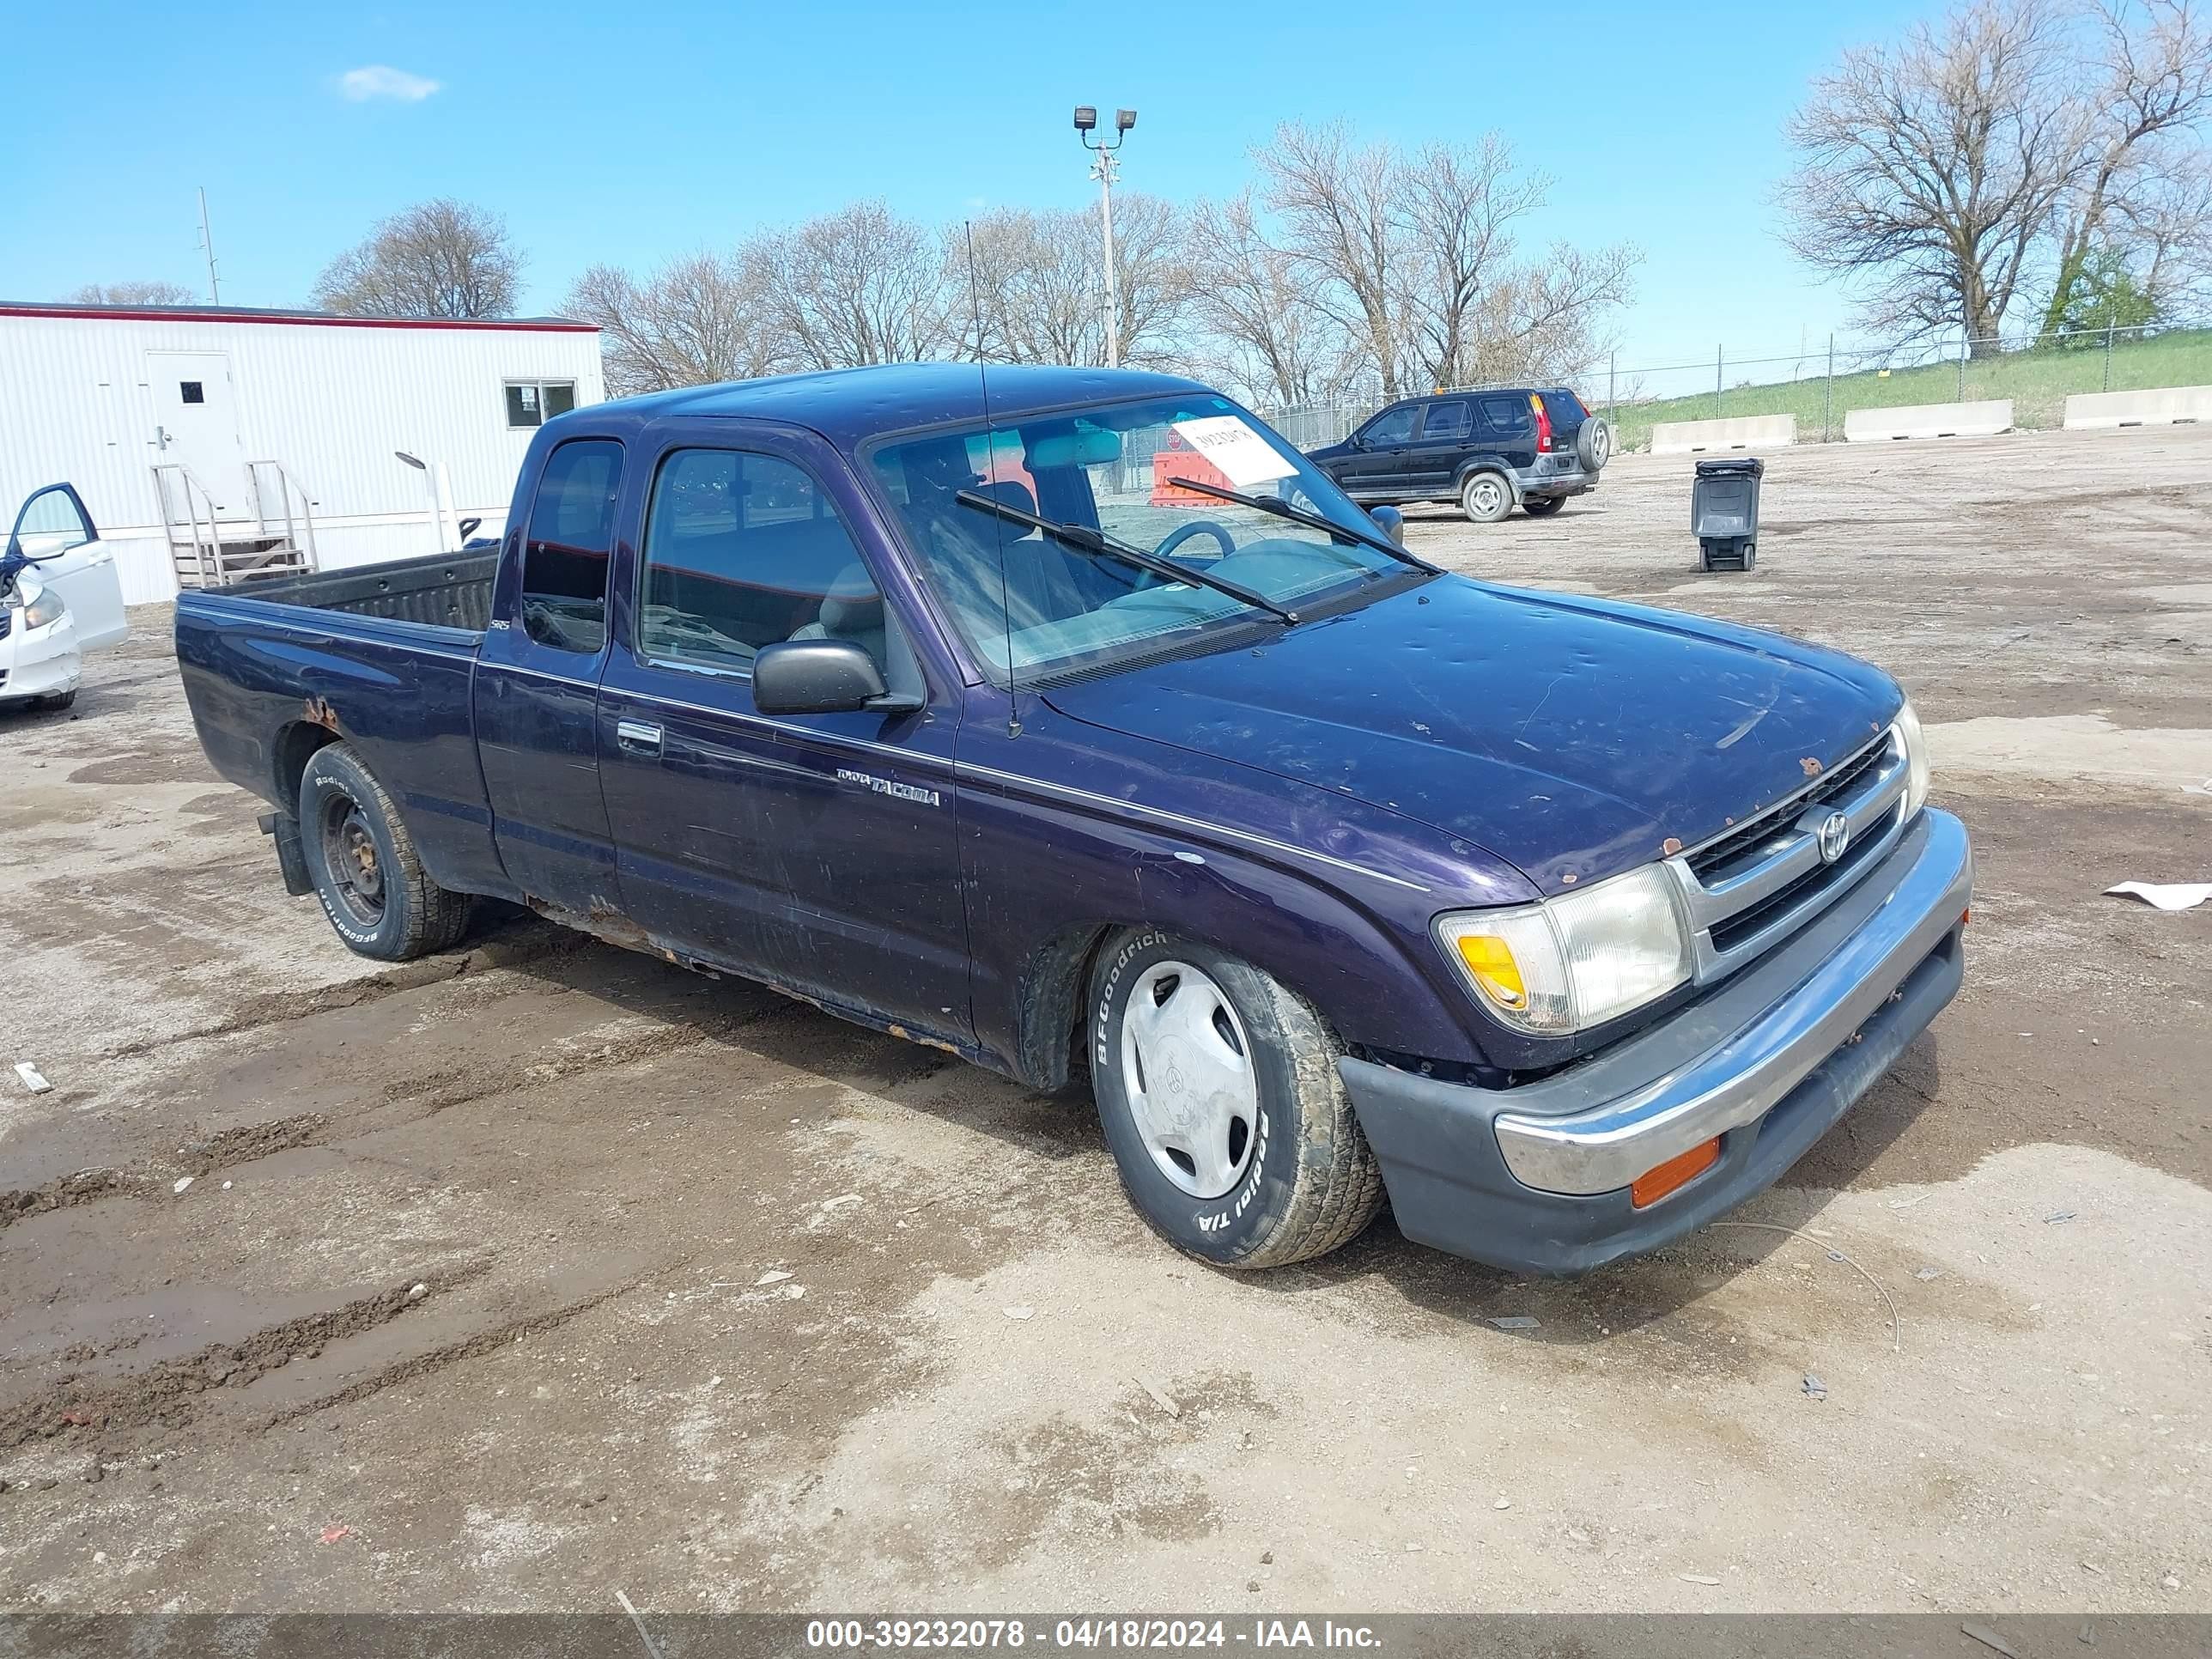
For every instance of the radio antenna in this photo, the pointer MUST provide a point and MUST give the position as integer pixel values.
(991, 461)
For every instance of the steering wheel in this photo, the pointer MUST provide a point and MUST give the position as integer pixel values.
(1176, 537)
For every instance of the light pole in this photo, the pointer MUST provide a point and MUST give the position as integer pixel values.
(1103, 168)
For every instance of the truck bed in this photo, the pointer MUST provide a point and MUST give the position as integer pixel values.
(450, 589)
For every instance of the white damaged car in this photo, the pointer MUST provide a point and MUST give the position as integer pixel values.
(60, 597)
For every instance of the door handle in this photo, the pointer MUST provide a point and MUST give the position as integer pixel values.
(638, 737)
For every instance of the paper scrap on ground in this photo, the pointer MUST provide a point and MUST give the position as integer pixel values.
(1244, 456)
(2170, 896)
(34, 1078)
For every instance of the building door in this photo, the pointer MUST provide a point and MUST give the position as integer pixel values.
(195, 424)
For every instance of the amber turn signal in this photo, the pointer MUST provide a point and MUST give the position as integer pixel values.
(1676, 1172)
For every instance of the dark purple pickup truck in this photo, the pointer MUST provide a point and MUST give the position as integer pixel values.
(1074, 723)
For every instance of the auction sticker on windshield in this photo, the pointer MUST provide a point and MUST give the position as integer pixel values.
(1241, 453)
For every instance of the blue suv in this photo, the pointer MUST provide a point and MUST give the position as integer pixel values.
(1490, 451)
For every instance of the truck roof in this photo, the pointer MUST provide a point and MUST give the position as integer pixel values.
(849, 405)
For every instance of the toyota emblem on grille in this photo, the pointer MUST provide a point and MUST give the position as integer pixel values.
(1835, 835)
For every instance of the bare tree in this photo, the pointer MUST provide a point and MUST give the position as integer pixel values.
(134, 294)
(697, 320)
(438, 259)
(2155, 83)
(1930, 170)
(858, 286)
(1344, 223)
(1256, 302)
(1540, 321)
(1459, 203)
(2166, 229)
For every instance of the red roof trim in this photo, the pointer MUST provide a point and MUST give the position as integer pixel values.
(110, 314)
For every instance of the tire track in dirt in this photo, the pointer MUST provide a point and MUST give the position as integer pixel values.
(195, 1158)
(281, 1007)
(167, 1395)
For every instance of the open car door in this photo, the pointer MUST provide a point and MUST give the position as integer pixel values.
(55, 538)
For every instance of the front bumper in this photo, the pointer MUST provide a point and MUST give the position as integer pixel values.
(39, 663)
(1535, 1179)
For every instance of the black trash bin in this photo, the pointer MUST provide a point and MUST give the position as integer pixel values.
(1724, 512)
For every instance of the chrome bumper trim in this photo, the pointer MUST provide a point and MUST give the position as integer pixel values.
(1742, 1078)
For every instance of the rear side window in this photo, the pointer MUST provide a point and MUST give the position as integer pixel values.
(1507, 414)
(743, 550)
(572, 532)
(1450, 420)
(1394, 426)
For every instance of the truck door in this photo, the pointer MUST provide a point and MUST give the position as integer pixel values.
(815, 851)
(537, 677)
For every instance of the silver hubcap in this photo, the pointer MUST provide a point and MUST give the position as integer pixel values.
(1482, 495)
(1187, 1071)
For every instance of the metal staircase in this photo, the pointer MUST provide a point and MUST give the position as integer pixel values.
(207, 549)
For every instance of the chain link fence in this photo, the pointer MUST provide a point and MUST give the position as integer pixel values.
(1820, 384)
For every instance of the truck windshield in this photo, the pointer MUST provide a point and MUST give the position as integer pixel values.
(1049, 608)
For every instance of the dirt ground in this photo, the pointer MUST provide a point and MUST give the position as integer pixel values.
(476, 1297)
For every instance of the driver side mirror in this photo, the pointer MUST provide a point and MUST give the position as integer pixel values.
(1390, 521)
(815, 677)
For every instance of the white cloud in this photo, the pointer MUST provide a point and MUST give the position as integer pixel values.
(382, 81)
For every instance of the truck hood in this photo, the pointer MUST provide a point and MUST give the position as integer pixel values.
(1572, 738)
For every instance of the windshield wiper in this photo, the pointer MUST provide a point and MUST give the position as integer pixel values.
(1283, 509)
(1098, 543)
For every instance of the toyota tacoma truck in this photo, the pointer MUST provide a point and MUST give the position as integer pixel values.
(1072, 721)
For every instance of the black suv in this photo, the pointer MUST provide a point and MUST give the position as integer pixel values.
(1488, 450)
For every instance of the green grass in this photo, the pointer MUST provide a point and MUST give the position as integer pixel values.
(2038, 382)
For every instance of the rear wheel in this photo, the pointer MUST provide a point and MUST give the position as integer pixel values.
(372, 884)
(1542, 506)
(1485, 497)
(1217, 1091)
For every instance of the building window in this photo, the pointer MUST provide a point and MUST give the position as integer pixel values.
(533, 403)
(192, 392)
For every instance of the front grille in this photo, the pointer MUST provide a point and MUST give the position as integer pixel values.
(7, 619)
(1751, 887)
(1747, 922)
(1711, 860)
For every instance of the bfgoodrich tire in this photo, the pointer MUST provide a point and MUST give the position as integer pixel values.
(1485, 497)
(371, 882)
(1218, 1094)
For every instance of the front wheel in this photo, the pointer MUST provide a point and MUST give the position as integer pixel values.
(1542, 506)
(372, 884)
(1485, 497)
(1218, 1094)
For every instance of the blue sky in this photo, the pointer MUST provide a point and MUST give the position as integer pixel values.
(632, 132)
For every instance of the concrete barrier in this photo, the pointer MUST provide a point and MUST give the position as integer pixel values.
(1980, 420)
(2160, 406)
(1742, 432)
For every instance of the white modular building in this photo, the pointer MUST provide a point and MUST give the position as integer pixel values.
(211, 442)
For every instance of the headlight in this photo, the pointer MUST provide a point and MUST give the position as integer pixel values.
(1577, 960)
(46, 608)
(1916, 760)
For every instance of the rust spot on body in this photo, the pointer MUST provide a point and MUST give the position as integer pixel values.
(319, 712)
(1812, 766)
(1671, 846)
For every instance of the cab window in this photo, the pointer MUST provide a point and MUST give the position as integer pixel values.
(742, 551)
(572, 534)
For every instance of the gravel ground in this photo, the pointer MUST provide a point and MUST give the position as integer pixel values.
(519, 1276)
